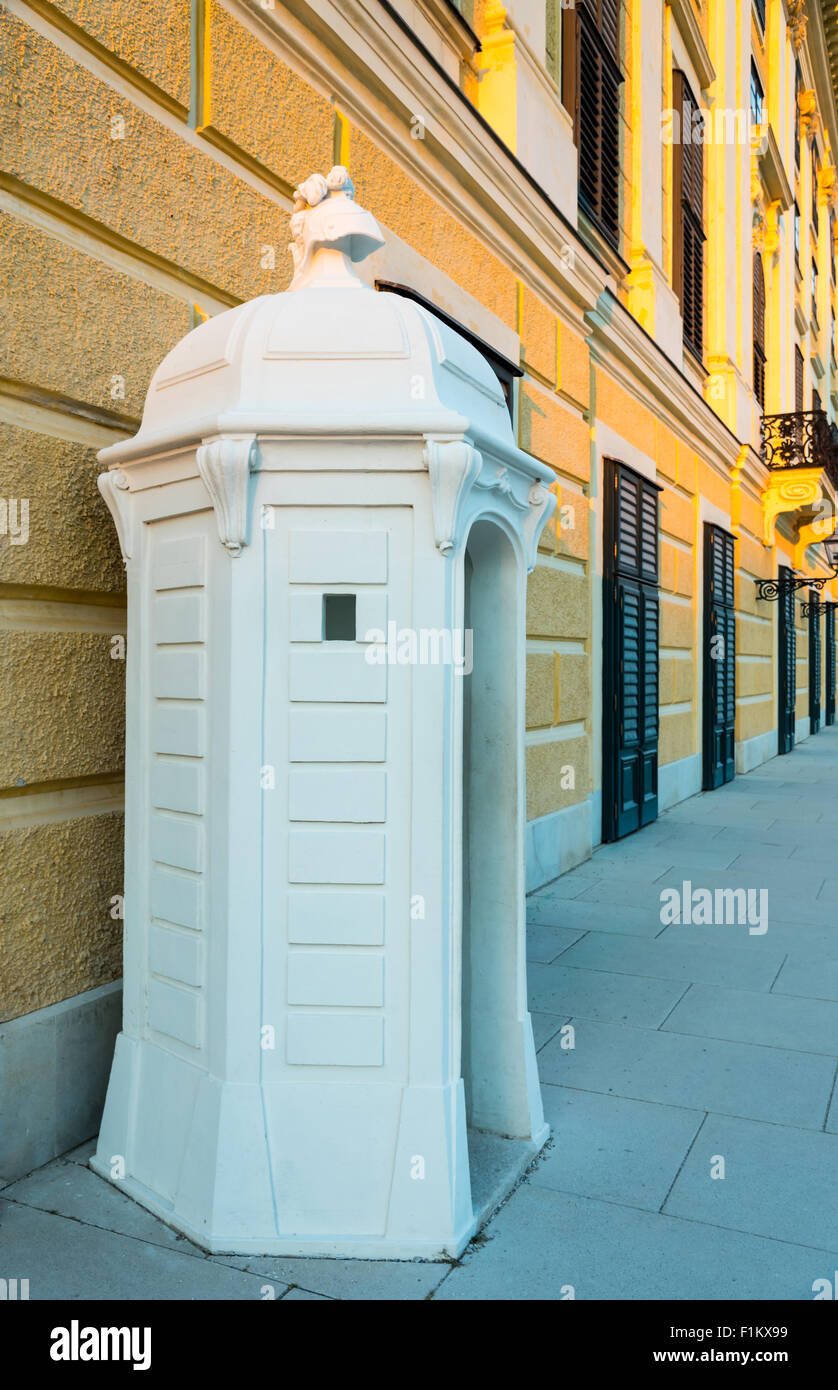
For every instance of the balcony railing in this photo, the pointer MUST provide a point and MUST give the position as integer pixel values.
(801, 439)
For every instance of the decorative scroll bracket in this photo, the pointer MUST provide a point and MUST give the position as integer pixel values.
(114, 487)
(453, 468)
(788, 490)
(224, 465)
(773, 589)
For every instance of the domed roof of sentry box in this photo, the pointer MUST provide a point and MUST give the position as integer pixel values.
(328, 354)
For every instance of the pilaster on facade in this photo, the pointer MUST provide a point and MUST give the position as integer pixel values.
(517, 96)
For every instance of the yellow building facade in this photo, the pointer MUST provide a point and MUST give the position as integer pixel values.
(627, 204)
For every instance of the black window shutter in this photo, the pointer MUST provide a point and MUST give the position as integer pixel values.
(598, 115)
(798, 378)
(759, 330)
(688, 212)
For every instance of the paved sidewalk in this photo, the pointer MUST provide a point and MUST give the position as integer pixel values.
(694, 1045)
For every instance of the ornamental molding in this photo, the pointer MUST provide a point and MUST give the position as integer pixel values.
(453, 467)
(224, 466)
(459, 474)
(115, 489)
(789, 490)
(812, 533)
(807, 104)
(690, 31)
(798, 21)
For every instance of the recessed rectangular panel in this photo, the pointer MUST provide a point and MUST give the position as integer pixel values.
(176, 898)
(178, 618)
(322, 795)
(337, 736)
(178, 786)
(321, 977)
(177, 842)
(179, 564)
(335, 919)
(178, 675)
(335, 1040)
(175, 729)
(342, 676)
(337, 557)
(174, 1011)
(335, 856)
(174, 954)
(305, 617)
(371, 617)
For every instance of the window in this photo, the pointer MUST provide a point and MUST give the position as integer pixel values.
(591, 79)
(688, 215)
(339, 617)
(832, 337)
(798, 378)
(759, 331)
(796, 235)
(760, 9)
(815, 189)
(813, 284)
(816, 400)
(798, 87)
(757, 97)
(833, 249)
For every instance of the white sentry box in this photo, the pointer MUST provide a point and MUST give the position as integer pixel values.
(325, 984)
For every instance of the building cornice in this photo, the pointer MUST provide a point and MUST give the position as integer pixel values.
(635, 360)
(690, 31)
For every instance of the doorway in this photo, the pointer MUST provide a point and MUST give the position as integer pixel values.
(815, 674)
(630, 652)
(787, 663)
(719, 657)
(493, 969)
(829, 662)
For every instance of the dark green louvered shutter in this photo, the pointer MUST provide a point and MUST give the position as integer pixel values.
(829, 644)
(630, 653)
(719, 656)
(597, 95)
(787, 682)
(814, 661)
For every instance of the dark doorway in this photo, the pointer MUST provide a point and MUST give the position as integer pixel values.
(630, 652)
(829, 645)
(787, 663)
(719, 657)
(814, 661)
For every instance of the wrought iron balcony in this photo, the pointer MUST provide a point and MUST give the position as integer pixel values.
(801, 439)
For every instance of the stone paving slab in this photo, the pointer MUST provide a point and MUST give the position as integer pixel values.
(811, 979)
(777, 1182)
(545, 1027)
(543, 1242)
(760, 1083)
(70, 1260)
(672, 959)
(805, 940)
(68, 1189)
(618, 1150)
(775, 1021)
(545, 943)
(346, 1279)
(599, 995)
(584, 917)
